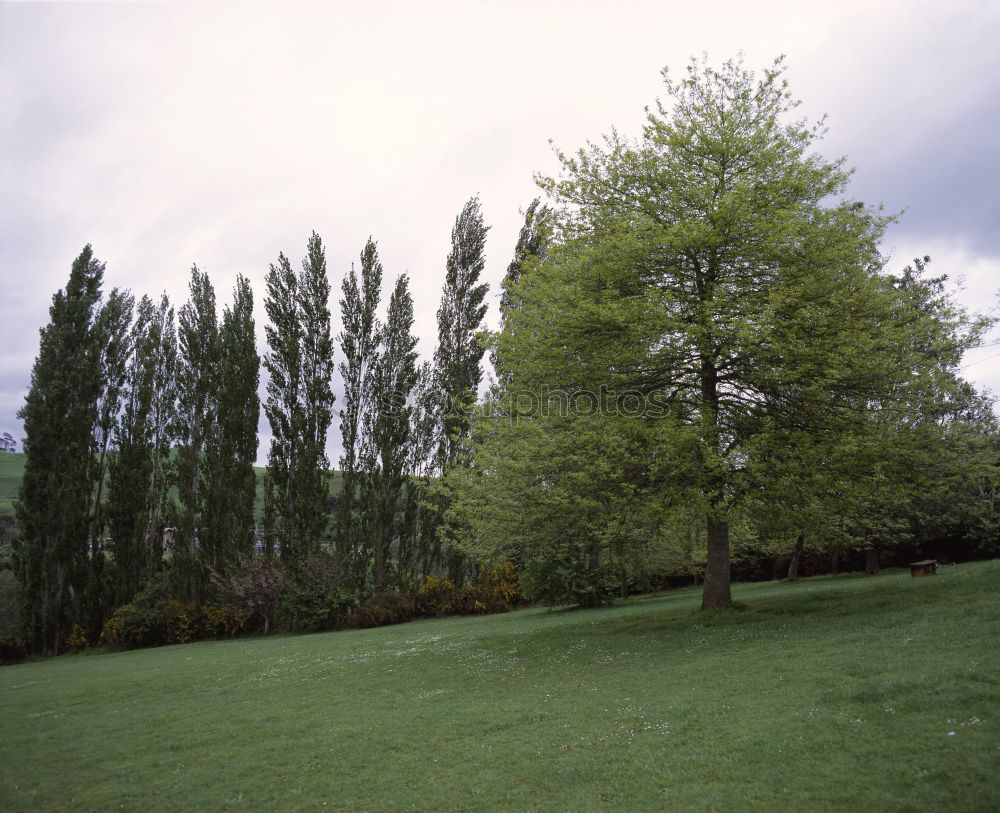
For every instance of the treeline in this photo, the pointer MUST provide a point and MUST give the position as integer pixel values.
(141, 437)
(705, 365)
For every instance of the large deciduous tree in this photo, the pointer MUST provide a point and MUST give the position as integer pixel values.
(716, 266)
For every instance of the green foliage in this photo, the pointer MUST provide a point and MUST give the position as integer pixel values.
(709, 294)
(383, 609)
(556, 580)
(531, 248)
(138, 625)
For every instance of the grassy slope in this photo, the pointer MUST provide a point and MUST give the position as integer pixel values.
(336, 483)
(829, 694)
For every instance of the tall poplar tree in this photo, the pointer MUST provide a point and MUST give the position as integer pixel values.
(420, 548)
(130, 468)
(198, 372)
(114, 331)
(283, 407)
(359, 343)
(531, 247)
(137, 477)
(458, 357)
(59, 415)
(232, 443)
(300, 402)
(387, 434)
(162, 426)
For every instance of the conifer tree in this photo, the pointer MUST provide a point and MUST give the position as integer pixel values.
(59, 414)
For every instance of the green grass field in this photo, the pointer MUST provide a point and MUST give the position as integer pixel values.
(834, 693)
(11, 470)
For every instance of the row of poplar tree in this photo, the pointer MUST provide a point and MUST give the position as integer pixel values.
(141, 432)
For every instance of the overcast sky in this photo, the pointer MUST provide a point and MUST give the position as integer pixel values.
(179, 133)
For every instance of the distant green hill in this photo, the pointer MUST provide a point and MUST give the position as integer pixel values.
(336, 484)
(12, 470)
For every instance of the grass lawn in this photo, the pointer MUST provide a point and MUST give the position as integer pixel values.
(833, 693)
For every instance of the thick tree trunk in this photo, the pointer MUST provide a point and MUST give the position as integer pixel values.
(793, 566)
(871, 561)
(835, 563)
(717, 578)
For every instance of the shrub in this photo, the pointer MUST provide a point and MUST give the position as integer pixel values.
(437, 597)
(12, 645)
(314, 597)
(136, 625)
(554, 581)
(77, 640)
(500, 582)
(155, 617)
(222, 620)
(383, 609)
(256, 586)
(496, 589)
